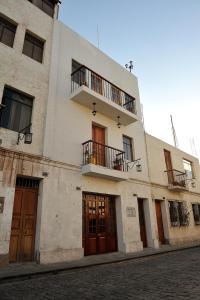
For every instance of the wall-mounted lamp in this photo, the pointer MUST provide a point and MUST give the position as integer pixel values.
(94, 109)
(25, 134)
(136, 163)
(118, 122)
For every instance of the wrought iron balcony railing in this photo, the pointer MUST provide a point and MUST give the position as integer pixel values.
(103, 155)
(177, 178)
(85, 76)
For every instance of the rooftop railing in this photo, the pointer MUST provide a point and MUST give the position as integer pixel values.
(98, 84)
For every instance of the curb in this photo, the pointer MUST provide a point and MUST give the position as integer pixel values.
(30, 275)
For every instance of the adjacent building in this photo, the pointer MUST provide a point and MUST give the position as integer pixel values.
(78, 174)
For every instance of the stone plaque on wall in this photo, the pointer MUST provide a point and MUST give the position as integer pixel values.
(1, 204)
(130, 212)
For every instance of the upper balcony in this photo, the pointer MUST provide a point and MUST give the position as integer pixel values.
(104, 161)
(89, 88)
(177, 180)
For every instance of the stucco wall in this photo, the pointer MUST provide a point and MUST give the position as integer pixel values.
(69, 124)
(23, 73)
(160, 191)
(157, 165)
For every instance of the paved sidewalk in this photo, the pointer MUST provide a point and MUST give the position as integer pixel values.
(20, 271)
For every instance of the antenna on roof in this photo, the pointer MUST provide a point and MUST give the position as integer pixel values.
(193, 146)
(98, 35)
(174, 133)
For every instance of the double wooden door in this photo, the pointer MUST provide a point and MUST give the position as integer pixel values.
(143, 235)
(99, 224)
(22, 238)
(98, 137)
(161, 235)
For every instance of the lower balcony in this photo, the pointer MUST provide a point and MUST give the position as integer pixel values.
(177, 180)
(103, 161)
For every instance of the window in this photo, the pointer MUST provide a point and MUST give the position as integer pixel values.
(129, 103)
(16, 114)
(33, 47)
(79, 76)
(127, 146)
(7, 32)
(179, 215)
(187, 165)
(46, 5)
(116, 95)
(196, 213)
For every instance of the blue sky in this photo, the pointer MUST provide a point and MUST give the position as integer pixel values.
(162, 37)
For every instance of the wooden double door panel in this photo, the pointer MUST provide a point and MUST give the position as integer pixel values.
(161, 235)
(23, 227)
(143, 234)
(98, 137)
(99, 224)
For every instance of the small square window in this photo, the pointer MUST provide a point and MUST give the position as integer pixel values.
(33, 47)
(7, 32)
(16, 115)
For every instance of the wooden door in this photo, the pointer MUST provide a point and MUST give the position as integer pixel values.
(161, 235)
(168, 162)
(99, 224)
(142, 222)
(98, 137)
(22, 238)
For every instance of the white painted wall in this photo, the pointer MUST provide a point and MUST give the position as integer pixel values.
(23, 73)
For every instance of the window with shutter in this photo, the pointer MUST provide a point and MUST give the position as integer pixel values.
(46, 6)
(33, 47)
(17, 112)
(7, 32)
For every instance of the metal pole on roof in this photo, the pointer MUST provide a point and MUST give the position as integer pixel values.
(174, 133)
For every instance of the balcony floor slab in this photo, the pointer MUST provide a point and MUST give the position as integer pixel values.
(85, 96)
(103, 172)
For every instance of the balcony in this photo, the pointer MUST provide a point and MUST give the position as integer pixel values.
(177, 180)
(103, 161)
(87, 88)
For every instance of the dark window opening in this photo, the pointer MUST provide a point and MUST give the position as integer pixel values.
(196, 213)
(7, 32)
(179, 215)
(127, 146)
(33, 47)
(45, 5)
(78, 77)
(17, 110)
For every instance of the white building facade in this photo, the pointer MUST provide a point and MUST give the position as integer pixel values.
(75, 190)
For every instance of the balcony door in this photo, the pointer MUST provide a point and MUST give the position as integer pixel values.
(98, 137)
(168, 162)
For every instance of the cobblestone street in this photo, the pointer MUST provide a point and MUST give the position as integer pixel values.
(169, 276)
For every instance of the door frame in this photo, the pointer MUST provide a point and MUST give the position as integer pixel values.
(84, 221)
(161, 209)
(37, 216)
(145, 220)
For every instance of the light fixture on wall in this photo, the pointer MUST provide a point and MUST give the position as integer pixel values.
(129, 65)
(25, 134)
(137, 163)
(118, 122)
(94, 112)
